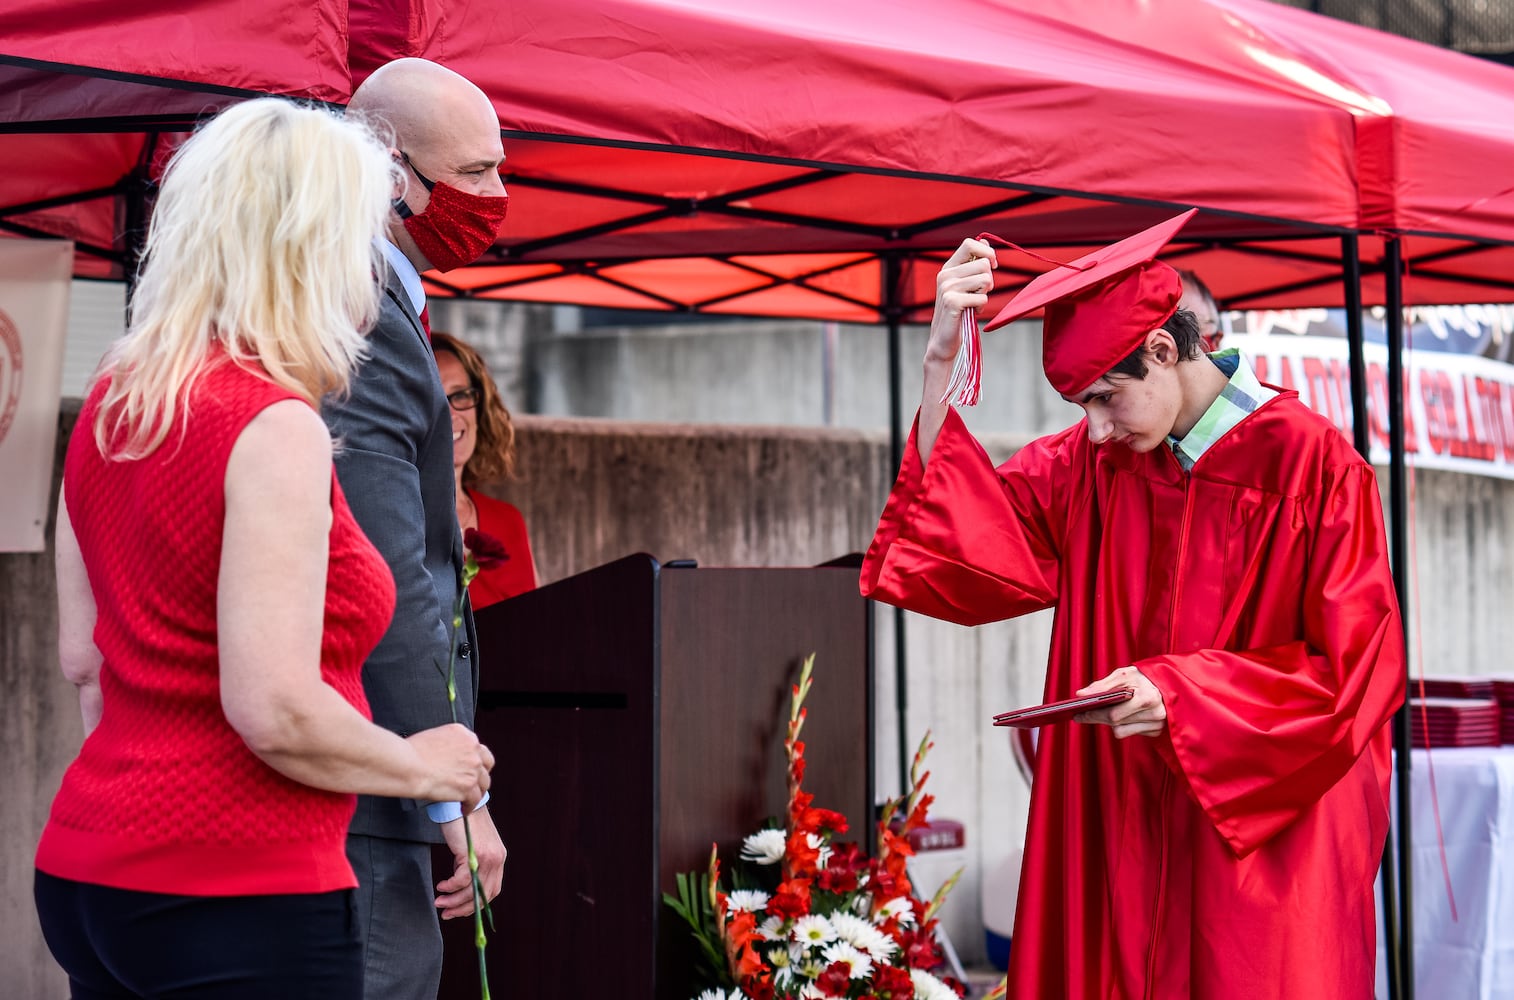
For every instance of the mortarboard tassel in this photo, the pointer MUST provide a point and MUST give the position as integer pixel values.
(966, 385)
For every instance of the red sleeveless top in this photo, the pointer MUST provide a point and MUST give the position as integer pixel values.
(165, 796)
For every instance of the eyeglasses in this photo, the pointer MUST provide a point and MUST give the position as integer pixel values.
(463, 399)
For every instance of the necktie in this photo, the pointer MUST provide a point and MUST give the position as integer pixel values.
(426, 321)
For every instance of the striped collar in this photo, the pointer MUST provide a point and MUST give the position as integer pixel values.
(1238, 400)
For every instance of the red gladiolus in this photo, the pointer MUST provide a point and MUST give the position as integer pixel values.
(917, 817)
(957, 985)
(833, 982)
(738, 936)
(804, 860)
(796, 767)
(485, 549)
(758, 987)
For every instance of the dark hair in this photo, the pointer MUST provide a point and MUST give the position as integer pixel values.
(494, 455)
(1184, 327)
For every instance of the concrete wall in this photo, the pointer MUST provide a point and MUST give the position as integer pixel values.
(776, 372)
(40, 732)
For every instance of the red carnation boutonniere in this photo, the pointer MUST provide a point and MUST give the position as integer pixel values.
(484, 552)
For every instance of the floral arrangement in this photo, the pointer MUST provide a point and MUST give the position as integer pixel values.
(814, 918)
(483, 551)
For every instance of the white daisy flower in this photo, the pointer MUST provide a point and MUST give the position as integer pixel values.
(735, 994)
(858, 964)
(811, 992)
(764, 847)
(928, 987)
(863, 936)
(812, 931)
(771, 928)
(897, 908)
(746, 900)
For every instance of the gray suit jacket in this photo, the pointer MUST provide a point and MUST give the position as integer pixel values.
(394, 460)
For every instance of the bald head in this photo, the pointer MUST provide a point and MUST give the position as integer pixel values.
(443, 127)
(423, 102)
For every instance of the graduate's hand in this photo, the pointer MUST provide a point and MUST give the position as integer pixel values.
(964, 283)
(1145, 714)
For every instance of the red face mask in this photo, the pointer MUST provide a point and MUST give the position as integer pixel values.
(456, 227)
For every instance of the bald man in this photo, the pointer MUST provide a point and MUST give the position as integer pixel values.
(1199, 300)
(395, 466)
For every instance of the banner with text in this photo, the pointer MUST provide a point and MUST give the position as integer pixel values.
(34, 282)
(1458, 401)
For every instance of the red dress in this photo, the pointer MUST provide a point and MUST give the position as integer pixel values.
(1234, 855)
(515, 575)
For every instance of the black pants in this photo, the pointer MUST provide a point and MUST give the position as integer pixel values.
(117, 943)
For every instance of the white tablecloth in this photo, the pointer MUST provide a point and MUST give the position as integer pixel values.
(1471, 958)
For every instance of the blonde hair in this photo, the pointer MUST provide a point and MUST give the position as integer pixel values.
(262, 244)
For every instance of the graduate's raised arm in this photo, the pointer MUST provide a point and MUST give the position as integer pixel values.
(963, 283)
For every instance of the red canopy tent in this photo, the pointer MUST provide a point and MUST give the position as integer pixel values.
(838, 135)
(91, 99)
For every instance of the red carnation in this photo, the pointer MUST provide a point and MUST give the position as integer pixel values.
(893, 983)
(833, 982)
(485, 550)
(920, 948)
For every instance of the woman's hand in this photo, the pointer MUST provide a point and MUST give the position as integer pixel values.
(1145, 714)
(456, 765)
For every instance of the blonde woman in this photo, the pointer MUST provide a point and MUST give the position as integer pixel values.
(216, 598)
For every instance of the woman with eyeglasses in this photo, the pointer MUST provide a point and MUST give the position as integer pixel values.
(483, 450)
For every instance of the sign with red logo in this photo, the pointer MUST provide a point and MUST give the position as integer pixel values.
(34, 281)
(1458, 387)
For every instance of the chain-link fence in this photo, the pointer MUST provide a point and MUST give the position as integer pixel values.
(1482, 27)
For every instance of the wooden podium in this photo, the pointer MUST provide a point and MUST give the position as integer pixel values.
(636, 713)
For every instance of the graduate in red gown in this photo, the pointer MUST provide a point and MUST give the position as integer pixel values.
(1217, 547)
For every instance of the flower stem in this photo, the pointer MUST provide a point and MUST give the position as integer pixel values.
(479, 939)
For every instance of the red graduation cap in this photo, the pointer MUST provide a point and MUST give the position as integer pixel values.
(1100, 307)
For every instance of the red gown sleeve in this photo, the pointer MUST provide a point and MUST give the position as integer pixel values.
(962, 541)
(1260, 735)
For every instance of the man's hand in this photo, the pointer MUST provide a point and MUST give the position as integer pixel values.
(454, 895)
(1145, 714)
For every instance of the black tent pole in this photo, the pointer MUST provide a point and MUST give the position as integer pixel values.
(134, 231)
(893, 315)
(1361, 436)
(1399, 553)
